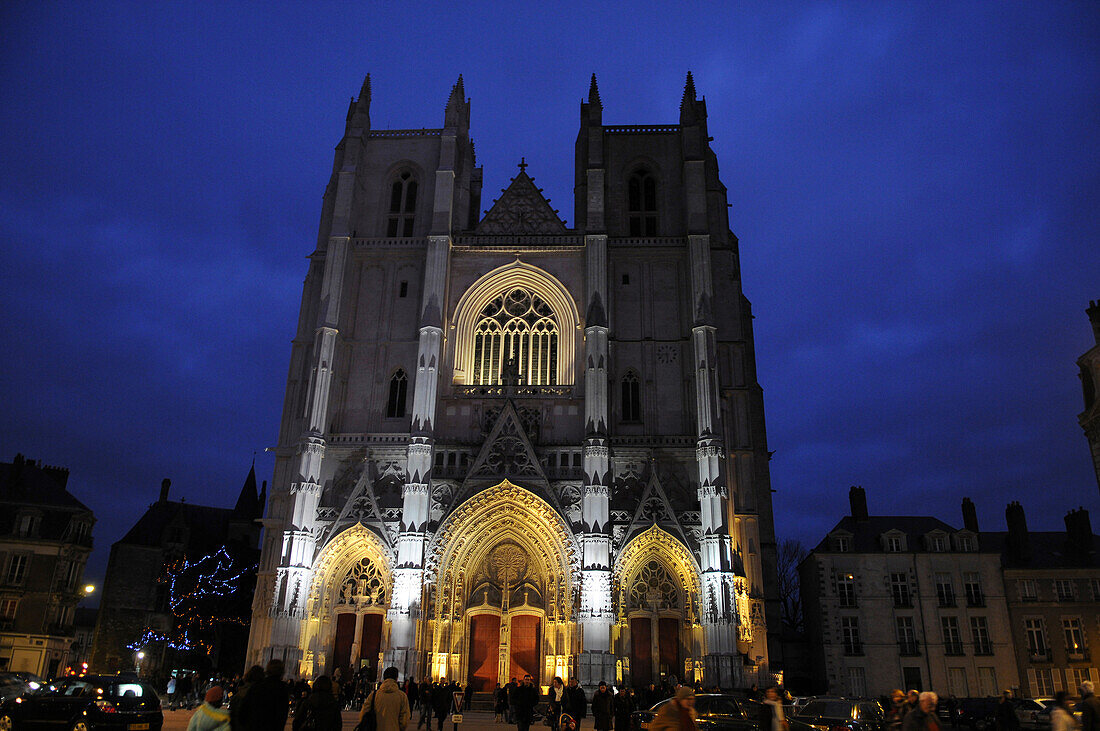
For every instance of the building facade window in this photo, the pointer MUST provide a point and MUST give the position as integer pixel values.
(1065, 590)
(907, 636)
(399, 390)
(631, 397)
(1028, 590)
(402, 211)
(979, 632)
(945, 590)
(846, 590)
(972, 585)
(1095, 584)
(1042, 682)
(1078, 676)
(17, 569)
(938, 544)
(1036, 639)
(952, 637)
(849, 635)
(641, 203)
(28, 524)
(966, 543)
(1075, 638)
(857, 682)
(842, 544)
(72, 575)
(987, 681)
(899, 590)
(517, 334)
(8, 608)
(894, 544)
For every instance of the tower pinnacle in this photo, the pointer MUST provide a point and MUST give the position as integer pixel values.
(594, 93)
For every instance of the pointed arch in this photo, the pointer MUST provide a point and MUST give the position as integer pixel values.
(341, 556)
(657, 546)
(565, 318)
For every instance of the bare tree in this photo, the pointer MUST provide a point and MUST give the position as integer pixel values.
(791, 553)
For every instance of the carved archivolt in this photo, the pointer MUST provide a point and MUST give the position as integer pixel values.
(353, 568)
(511, 533)
(656, 570)
(499, 282)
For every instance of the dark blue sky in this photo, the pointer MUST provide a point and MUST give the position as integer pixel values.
(915, 188)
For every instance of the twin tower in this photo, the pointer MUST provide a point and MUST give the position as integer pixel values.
(512, 447)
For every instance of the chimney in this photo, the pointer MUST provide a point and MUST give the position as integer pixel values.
(1093, 312)
(1079, 532)
(970, 515)
(857, 498)
(1018, 544)
(164, 485)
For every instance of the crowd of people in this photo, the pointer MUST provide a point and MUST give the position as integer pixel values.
(263, 700)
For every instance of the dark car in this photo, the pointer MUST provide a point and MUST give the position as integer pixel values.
(85, 703)
(717, 712)
(977, 714)
(838, 714)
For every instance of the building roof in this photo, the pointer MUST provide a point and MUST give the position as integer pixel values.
(27, 482)
(866, 532)
(1047, 550)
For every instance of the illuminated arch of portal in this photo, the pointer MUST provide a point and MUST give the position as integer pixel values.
(538, 283)
(651, 556)
(354, 555)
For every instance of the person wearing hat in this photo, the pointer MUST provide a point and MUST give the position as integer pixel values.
(319, 709)
(210, 716)
(602, 711)
(678, 714)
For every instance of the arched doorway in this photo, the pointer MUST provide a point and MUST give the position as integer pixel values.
(504, 565)
(351, 593)
(658, 609)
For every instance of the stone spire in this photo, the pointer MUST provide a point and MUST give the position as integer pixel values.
(687, 102)
(359, 109)
(457, 109)
(594, 93)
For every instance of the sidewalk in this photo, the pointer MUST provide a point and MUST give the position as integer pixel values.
(471, 721)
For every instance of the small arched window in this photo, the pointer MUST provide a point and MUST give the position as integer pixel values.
(399, 389)
(402, 211)
(631, 398)
(641, 194)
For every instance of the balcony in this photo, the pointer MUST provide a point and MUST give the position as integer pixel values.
(1040, 654)
(1080, 655)
(975, 599)
(983, 648)
(908, 648)
(853, 649)
(945, 598)
(953, 648)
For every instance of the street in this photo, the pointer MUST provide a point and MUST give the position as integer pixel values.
(475, 721)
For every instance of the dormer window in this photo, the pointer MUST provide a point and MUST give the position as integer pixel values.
(842, 544)
(965, 543)
(894, 543)
(402, 211)
(28, 524)
(641, 197)
(937, 543)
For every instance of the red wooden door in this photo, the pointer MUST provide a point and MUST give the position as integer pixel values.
(370, 642)
(525, 647)
(345, 635)
(668, 644)
(641, 653)
(484, 645)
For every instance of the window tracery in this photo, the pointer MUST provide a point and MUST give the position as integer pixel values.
(516, 338)
(364, 583)
(641, 197)
(402, 209)
(631, 396)
(653, 587)
(399, 389)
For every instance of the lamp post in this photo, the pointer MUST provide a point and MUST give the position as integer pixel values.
(137, 661)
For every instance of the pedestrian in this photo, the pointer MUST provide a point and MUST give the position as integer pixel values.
(1061, 719)
(500, 703)
(1005, 717)
(467, 696)
(442, 700)
(524, 699)
(210, 716)
(426, 690)
(603, 710)
(251, 679)
(896, 713)
(319, 710)
(509, 691)
(1089, 707)
(625, 704)
(678, 714)
(772, 717)
(575, 704)
(389, 704)
(555, 700)
(923, 717)
(265, 705)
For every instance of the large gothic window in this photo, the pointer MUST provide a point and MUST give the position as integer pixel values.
(641, 194)
(402, 213)
(654, 588)
(631, 395)
(516, 336)
(399, 389)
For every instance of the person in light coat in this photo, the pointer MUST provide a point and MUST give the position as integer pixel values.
(389, 704)
(210, 716)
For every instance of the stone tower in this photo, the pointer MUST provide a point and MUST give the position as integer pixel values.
(509, 446)
(1089, 363)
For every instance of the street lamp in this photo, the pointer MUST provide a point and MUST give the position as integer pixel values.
(88, 589)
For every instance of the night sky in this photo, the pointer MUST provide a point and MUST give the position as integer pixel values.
(915, 187)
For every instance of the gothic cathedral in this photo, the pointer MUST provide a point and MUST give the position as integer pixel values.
(509, 446)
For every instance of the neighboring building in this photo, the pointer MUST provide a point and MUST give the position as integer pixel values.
(1089, 363)
(83, 633)
(45, 539)
(1052, 580)
(907, 602)
(134, 612)
(512, 446)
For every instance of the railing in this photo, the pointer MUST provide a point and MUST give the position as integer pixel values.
(908, 648)
(565, 241)
(1041, 654)
(513, 391)
(1078, 655)
(983, 648)
(853, 649)
(946, 598)
(975, 599)
(953, 648)
(903, 602)
(425, 132)
(621, 129)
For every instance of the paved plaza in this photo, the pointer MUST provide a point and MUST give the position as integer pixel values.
(471, 721)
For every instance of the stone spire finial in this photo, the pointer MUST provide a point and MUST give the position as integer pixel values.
(689, 92)
(594, 93)
(364, 91)
(456, 109)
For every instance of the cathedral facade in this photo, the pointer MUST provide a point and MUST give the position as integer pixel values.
(509, 446)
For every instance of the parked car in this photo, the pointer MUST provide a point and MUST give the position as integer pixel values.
(837, 714)
(1028, 710)
(85, 703)
(716, 712)
(977, 714)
